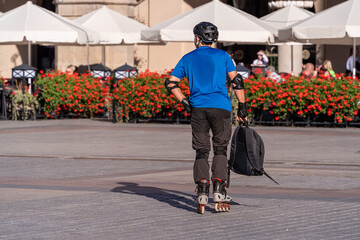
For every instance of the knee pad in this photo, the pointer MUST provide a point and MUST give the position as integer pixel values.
(202, 153)
(220, 151)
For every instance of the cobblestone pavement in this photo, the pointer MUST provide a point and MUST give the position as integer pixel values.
(88, 179)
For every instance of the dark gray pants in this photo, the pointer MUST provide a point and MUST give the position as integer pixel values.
(219, 122)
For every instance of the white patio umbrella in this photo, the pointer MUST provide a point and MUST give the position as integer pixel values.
(30, 23)
(283, 18)
(233, 24)
(113, 27)
(339, 24)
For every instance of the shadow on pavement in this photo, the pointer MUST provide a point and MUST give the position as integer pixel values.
(176, 199)
(173, 198)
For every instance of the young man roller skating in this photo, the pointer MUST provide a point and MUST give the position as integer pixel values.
(209, 103)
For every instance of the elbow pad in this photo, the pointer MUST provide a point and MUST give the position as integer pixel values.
(238, 81)
(168, 82)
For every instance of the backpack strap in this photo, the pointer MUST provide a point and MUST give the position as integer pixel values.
(270, 178)
(228, 180)
(236, 130)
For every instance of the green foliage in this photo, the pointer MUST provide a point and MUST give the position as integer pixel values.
(26, 101)
(300, 97)
(145, 96)
(83, 95)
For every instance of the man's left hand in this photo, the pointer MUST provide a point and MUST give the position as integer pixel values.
(186, 103)
(242, 112)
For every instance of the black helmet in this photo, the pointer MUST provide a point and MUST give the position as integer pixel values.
(207, 32)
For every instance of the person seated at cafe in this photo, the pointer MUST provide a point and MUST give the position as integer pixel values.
(262, 59)
(71, 69)
(232, 55)
(308, 71)
(270, 73)
(328, 70)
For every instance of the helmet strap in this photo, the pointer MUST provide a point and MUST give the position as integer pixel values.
(196, 42)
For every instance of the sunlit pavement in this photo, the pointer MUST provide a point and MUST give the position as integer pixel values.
(89, 179)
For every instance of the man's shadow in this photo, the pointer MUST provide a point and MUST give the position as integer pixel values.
(176, 199)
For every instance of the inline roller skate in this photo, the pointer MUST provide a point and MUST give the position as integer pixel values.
(221, 199)
(202, 197)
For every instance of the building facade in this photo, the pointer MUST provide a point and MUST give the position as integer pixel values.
(153, 57)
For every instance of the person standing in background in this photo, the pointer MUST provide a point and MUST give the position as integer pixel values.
(350, 63)
(262, 59)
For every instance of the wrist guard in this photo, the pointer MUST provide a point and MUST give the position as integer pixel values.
(238, 81)
(242, 110)
(186, 103)
(168, 82)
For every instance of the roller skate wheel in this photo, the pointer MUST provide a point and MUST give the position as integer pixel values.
(201, 209)
(222, 207)
(217, 208)
(226, 207)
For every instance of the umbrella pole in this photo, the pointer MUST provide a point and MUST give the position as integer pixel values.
(292, 58)
(88, 55)
(354, 58)
(29, 53)
(103, 55)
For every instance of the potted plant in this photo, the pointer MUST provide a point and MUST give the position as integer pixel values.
(23, 101)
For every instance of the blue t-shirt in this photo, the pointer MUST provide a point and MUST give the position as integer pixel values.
(206, 69)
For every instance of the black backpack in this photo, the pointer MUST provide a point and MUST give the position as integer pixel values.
(247, 153)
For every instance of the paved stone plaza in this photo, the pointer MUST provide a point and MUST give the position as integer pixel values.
(89, 179)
